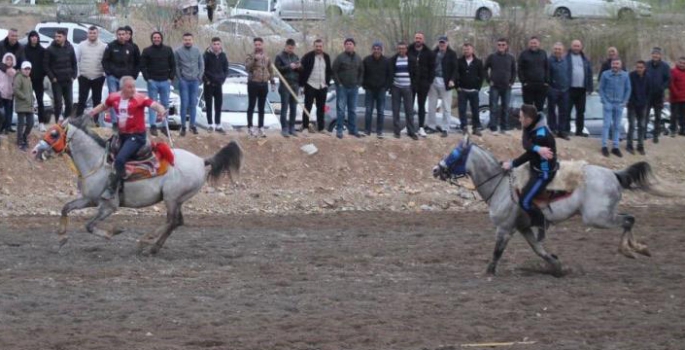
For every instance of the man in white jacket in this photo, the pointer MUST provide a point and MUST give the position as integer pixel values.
(91, 74)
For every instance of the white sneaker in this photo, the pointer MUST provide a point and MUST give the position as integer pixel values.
(260, 132)
(41, 127)
(251, 131)
(210, 128)
(422, 132)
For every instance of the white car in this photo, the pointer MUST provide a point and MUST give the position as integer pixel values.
(244, 30)
(621, 9)
(482, 10)
(314, 9)
(255, 7)
(76, 33)
(234, 108)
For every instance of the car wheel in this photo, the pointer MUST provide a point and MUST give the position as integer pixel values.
(483, 14)
(626, 14)
(333, 11)
(562, 13)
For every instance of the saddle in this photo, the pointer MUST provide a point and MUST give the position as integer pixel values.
(153, 159)
(568, 178)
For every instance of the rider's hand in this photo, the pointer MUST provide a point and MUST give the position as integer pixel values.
(546, 152)
(506, 166)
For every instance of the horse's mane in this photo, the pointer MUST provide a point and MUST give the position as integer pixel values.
(489, 156)
(82, 124)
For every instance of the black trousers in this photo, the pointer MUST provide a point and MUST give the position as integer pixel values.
(578, 101)
(39, 90)
(62, 93)
(213, 93)
(421, 91)
(535, 94)
(677, 117)
(24, 126)
(85, 86)
(256, 94)
(312, 95)
(210, 14)
(656, 102)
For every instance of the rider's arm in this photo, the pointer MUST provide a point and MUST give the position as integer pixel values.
(98, 109)
(524, 158)
(161, 111)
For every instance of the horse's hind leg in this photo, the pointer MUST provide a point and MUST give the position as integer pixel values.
(503, 236)
(628, 243)
(104, 211)
(174, 220)
(76, 204)
(540, 251)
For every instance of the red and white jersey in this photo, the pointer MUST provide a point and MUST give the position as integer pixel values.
(130, 113)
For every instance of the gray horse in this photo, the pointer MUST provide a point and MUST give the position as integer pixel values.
(596, 200)
(180, 183)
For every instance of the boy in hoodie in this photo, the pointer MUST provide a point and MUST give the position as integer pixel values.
(158, 65)
(216, 72)
(541, 152)
(7, 91)
(60, 64)
(35, 53)
(23, 95)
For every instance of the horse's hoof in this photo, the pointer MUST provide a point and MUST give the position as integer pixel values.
(117, 231)
(63, 240)
(491, 269)
(627, 253)
(643, 250)
(558, 272)
(154, 249)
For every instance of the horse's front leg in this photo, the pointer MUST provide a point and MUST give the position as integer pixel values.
(503, 236)
(79, 203)
(551, 259)
(106, 209)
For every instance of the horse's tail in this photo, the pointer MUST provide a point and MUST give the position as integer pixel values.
(227, 160)
(639, 176)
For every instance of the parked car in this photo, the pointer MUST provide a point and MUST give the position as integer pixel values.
(234, 108)
(244, 29)
(255, 7)
(621, 9)
(274, 23)
(314, 9)
(482, 10)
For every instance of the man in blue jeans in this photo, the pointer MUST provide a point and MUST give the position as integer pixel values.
(348, 73)
(119, 60)
(190, 67)
(500, 74)
(377, 80)
(614, 89)
(158, 66)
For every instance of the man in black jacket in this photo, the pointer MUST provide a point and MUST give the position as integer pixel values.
(216, 72)
(158, 65)
(445, 79)
(288, 64)
(11, 45)
(120, 60)
(377, 80)
(659, 77)
(500, 74)
(35, 53)
(424, 60)
(60, 66)
(315, 77)
(533, 68)
(470, 80)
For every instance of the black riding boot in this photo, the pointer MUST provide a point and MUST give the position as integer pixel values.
(112, 188)
(537, 219)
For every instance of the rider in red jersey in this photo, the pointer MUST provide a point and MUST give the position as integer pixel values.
(129, 123)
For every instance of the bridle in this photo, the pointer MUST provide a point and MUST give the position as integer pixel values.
(58, 141)
(460, 166)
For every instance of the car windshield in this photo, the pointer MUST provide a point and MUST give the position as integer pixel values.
(261, 30)
(105, 35)
(280, 25)
(254, 5)
(238, 103)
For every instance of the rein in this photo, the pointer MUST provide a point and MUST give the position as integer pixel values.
(70, 160)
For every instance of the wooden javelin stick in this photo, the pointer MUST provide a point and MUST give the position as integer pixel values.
(283, 81)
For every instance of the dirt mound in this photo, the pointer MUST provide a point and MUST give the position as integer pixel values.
(349, 174)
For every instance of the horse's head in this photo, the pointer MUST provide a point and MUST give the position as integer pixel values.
(454, 165)
(54, 142)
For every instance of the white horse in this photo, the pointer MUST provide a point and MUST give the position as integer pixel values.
(180, 183)
(596, 200)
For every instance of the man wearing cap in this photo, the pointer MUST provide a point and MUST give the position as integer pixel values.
(445, 79)
(348, 74)
(658, 76)
(423, 59)
(23, 104)
(377, 81)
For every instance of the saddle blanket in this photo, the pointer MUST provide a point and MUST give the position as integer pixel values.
(569, 176)
(157, 163)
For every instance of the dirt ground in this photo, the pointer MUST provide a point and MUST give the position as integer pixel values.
(363, 280)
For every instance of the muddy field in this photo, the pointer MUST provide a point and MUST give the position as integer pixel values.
(364, 280)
